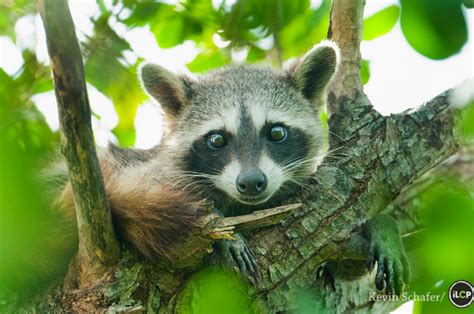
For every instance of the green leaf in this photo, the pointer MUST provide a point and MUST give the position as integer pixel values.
(465, 126)
(170, 33)
(173, 24)
(381, 22)
(11, 12)
(468, 4)
(255, 54)
(435, 28)
(19, 118)
(7, 90)
(207, 60)
(365, 71)
(34, 76)
(143, 12)
(212, 290)
(305, 31)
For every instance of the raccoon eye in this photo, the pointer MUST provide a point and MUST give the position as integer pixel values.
(216, 140)
(277, 133)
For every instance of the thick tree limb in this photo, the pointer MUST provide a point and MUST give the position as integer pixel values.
(376, 157)
(405, 208)
(98, 247)
(352, 295)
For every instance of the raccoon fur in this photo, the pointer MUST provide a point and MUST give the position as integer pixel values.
(242, 136)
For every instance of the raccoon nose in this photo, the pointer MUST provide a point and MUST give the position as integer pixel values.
(251, 182)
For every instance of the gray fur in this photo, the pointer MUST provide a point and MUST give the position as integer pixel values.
(168, 89)
(297, 95)
(313, 72)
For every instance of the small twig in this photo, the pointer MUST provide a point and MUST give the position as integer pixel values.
(225, 227)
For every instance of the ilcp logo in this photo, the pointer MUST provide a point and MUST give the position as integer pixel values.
(461, 293)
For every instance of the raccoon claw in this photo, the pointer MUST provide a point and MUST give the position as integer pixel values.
(244, 260)
(393, 269)
(237, 253)
(325, 274)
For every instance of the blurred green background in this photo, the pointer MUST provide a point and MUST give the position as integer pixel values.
(251, 31)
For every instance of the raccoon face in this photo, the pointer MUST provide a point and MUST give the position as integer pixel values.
(250, 164)
(246, 134)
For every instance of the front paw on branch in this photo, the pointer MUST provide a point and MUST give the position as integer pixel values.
(386, 248)
(232, 247)
(236, 253)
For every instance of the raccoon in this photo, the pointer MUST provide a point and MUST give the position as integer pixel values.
(242, 136)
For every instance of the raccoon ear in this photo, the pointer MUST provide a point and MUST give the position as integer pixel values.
(169, 89)
(313, 72)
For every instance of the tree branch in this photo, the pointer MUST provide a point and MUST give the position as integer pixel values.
(98, 247)
(405, 208)
(347, 20)
(372, 165)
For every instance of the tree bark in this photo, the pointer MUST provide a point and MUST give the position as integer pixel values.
(372, 159)
(345, 28)
(375, 158)
(98, 248)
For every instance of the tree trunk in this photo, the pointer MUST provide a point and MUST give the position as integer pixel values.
(372, 160)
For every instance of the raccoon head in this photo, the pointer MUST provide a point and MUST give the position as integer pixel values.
(245, 133)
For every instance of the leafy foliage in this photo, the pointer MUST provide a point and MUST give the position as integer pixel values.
(20, 121)
(271, 31)
(25, 143)
(435, 28)
(109, 71)
(10, 12)
(444, 253)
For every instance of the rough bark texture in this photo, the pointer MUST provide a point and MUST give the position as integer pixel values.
(373, 159)
(98, 247)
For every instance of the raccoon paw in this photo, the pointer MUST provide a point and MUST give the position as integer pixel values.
(386, 248)
(237, 254)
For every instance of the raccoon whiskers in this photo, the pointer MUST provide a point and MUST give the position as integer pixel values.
(289, 160)
(298, 163)
(196, 174)
(194, 182)
(329, 152)
(329, 131)
(182, 175)
(197, 184)
(302, 182)
(335, 157)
